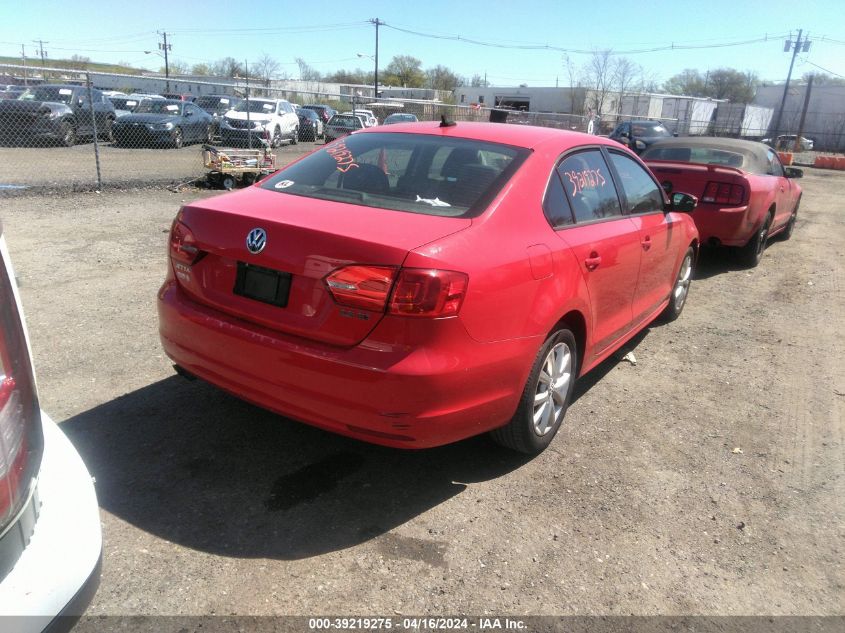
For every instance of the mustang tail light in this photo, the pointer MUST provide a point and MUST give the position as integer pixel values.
(365, 287)
(21, 442)
(428, 293)
(183, 246)
(415, 292)
(723, 193)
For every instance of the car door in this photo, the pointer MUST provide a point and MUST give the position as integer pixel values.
(784, 190)
(196, 121)
(604, 243)
(659, 233)
(81, 106)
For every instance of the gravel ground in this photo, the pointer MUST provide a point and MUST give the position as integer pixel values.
(75, 167)
(705, 479)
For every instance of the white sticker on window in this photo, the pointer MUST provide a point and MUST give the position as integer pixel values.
(268, 106)
(131, 103)
(65, 91)
(224, 101)
(284, 184)
(172, 108)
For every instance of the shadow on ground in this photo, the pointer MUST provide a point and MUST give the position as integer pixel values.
(197, 467)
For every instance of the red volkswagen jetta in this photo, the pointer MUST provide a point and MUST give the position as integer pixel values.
(417, 285)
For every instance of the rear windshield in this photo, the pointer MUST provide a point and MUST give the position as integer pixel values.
(416, 173)
(214, 104)
(649, 129)
(346, 121)
(702, 155)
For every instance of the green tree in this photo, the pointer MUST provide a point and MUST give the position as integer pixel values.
(200, 69)
(227, 67)
(688, 82)
(404, 70)
(442, 78)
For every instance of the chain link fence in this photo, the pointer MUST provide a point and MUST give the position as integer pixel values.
(85, 130)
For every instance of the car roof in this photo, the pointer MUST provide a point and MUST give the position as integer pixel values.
(527, 136)
(756, 154)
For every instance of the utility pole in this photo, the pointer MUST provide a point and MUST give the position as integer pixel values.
(377, 22)
(797, 147)
(23, 58)
(164, 46)
(41, 50)
(797, 46)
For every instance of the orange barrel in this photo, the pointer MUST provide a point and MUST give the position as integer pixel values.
(820, 161)
(840, 162)
(785, 157)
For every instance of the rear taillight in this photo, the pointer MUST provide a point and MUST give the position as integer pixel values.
(723, 193)
(183, 246)
(21, 441)
(365, 287)
(416, 292)
(428, 293)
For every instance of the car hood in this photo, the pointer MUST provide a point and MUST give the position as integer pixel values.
(149, 117)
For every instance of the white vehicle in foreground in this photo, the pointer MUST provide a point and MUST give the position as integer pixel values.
(252, 120)
(50, 535)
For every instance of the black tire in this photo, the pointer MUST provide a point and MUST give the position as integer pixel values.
(751, 254)
(67, 134)
(790, 226)
(178, 138)
(523, 433)
(680, 289)
(295, 138)
(107, 134)
(209, 135)
(228, 182)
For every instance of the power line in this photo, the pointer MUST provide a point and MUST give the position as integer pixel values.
(561, 49)
(830, 72)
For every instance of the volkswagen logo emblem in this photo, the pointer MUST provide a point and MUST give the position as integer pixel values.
(256, 240)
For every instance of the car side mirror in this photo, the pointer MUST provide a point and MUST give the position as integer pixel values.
(793, 172)
(683, 202)
(189, 113)
(675, 134)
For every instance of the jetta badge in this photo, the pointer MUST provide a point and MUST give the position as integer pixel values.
(256, 240)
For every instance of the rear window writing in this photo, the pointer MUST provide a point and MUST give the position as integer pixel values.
(404, 172)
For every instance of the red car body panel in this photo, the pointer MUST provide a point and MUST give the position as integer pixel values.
(404, 381)
(732, 225)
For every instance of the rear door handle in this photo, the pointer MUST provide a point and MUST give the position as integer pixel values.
(593, 261)
(646, 242)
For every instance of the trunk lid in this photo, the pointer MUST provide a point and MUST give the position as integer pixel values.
(307, 239)
(692, 178)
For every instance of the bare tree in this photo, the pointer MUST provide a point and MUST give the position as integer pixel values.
(306, 71)
(624, 74)
(266, 67)
(574, 81)
(598, 75)
(176, 67)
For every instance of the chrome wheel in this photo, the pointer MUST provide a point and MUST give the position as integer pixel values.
(552, 388)
(679, 294)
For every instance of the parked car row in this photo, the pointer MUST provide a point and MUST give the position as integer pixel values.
(63, 114)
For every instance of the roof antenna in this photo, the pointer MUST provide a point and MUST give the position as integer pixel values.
(444, 122)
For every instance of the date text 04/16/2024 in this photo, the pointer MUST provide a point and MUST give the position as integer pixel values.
(415, 624)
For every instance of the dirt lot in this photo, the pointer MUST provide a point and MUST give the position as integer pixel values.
(642, 505)
(63, 167)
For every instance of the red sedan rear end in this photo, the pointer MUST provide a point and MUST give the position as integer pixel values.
(410, 287)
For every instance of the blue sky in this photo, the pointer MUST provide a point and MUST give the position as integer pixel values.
(329, 35)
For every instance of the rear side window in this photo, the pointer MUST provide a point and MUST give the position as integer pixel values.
(555, 205)
(589, 186)
(417, 173)
(641, 192)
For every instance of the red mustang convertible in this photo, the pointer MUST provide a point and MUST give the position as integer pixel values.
(745, 195)
(419, 284)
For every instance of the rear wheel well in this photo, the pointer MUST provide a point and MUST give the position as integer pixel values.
(575, 322)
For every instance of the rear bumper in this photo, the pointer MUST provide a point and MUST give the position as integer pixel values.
(731, 226)
(57, 574)
(385, 390)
